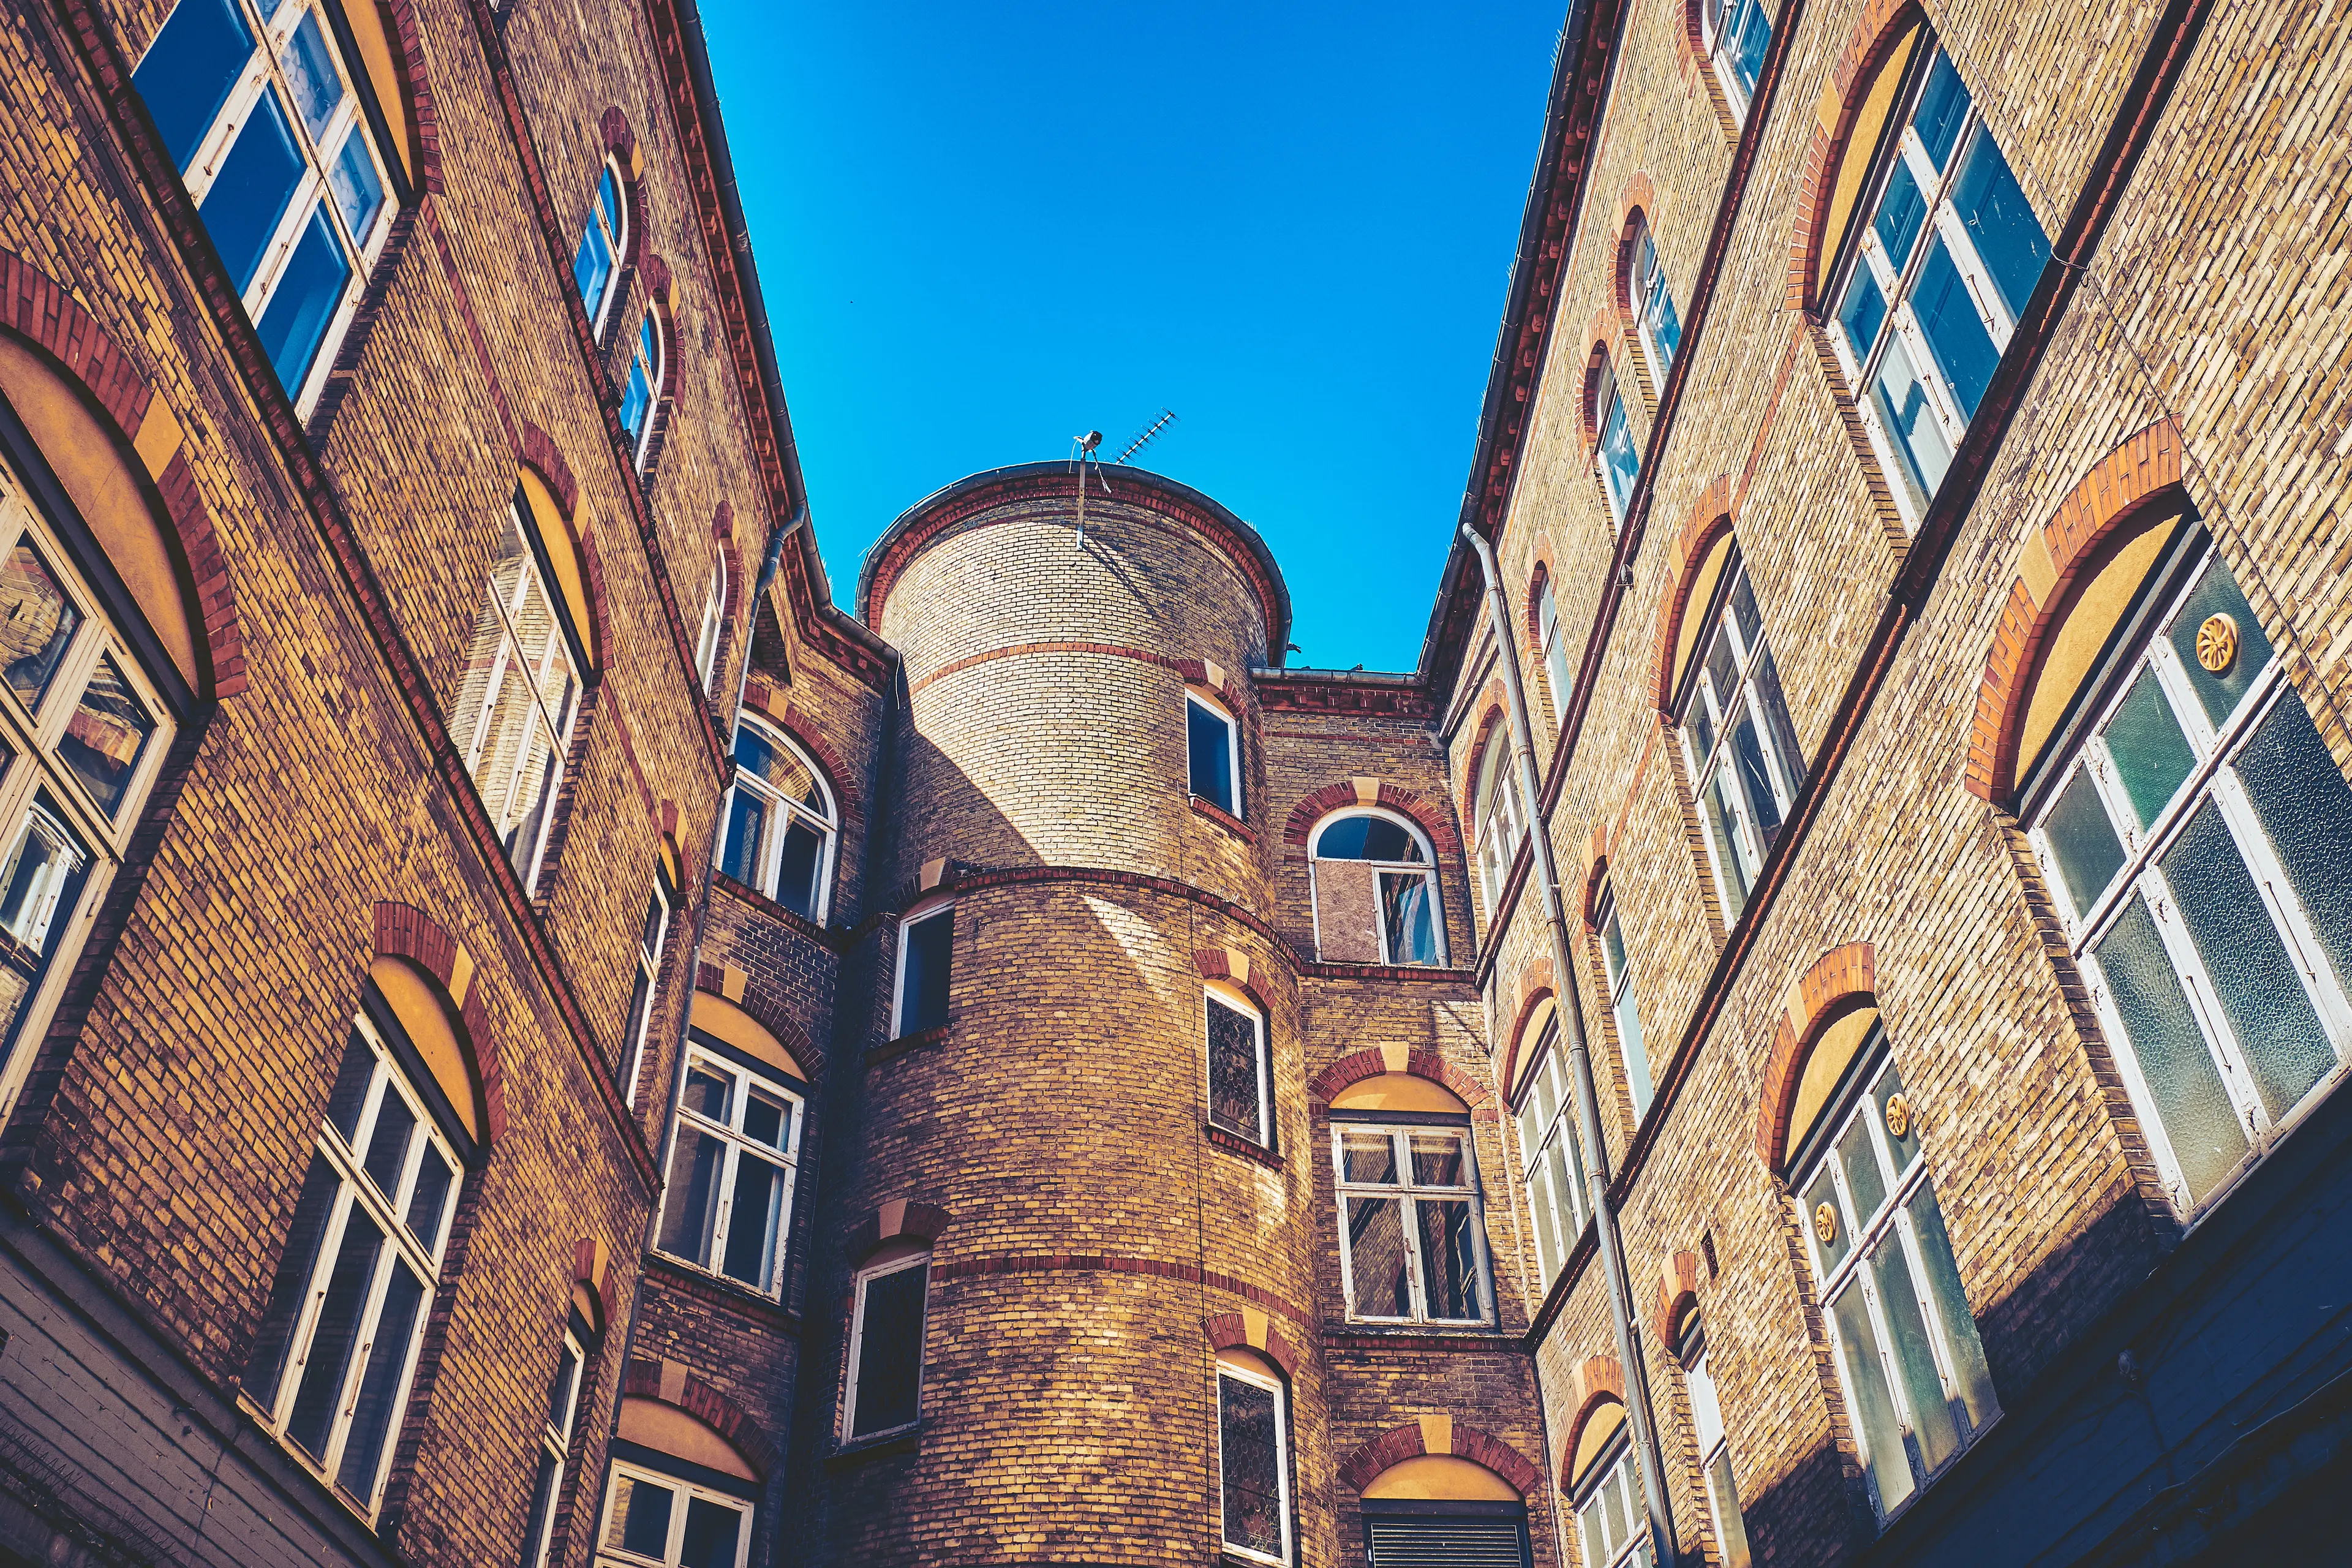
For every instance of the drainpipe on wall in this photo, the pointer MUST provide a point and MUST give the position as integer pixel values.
(1570, 1011)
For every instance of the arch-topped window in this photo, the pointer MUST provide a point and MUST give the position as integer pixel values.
(1652, 301)
(2196, 831)
(603, 242)
(1374, 880)
(1500, 829)
(1554, 650)
(1738, 746)
(1414, 1237)
(779, 822)
(1618, 460)
(1722, 1492)
(563, 1391)
(275, 132)
(1928, 277)
(714, 621)
(1434, 1511)
(1253, 1457)
(653, 936)
(1736, 34)
(652, 1518)
(1241, 1080)
(1623, 1011)
(641, 388)
(1550, 1158)
(1604, 1491)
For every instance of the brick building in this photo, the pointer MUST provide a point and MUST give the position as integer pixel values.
(534, 1037)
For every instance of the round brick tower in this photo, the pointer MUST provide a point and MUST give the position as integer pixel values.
(1101, 1231)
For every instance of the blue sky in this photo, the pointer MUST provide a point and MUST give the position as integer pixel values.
(982, 230)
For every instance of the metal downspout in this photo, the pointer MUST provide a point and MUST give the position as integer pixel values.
(1570, 1011)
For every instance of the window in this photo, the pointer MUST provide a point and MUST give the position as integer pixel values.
(1374, 881)
(1714, 1456)
(519, 695)
(2199, 831)
(1610, 1520)
(1652, 304)
(641, 388)
(651, 936)
(82, 735)
(1550, 1157)
(265, 120)
(926, 954)
(1415, 1249)
(1240, 1096)
(1736, 35)
(732, 1169)
(885, 1347)
(1917, 1390)
(604, 240)
(655, 1518)
(779, 822)
(1621, 1010)
(1738, 743)
(1943, 257)
(1555, 652)
(714, 621)
(1213, 754)
(1500, 830)
(1619, 463)
(331, 1365)
(1252, 1464)
(555, 1442)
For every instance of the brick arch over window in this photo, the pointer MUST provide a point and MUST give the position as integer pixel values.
(1598, 1381)
(1488, 729)
(1233, 967)
(594, 1284)
(768, 1008)
(773, 705)
(621, 142)
(1591, 871)
(406, 932)
(1441, 1436)
(420, 127)
(1327, 1085)
(1253, 1331)
(1677, 1296)
(1638, 202)
(1600, 343)
(1882, 25)
(1690, 583)
(900, 1219)
(667, 1382)
(1436, 823)
(1538, 984)
(1541, 569)
(71, 344)
(2140, 475)
(661, 302)
(1841, 980)
(536, 451)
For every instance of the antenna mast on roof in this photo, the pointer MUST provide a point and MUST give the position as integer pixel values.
(1082, 448)
(1150, 431)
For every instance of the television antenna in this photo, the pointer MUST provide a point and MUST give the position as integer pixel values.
(1084, 450)
(1151, 433)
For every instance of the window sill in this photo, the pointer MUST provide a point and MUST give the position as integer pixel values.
(1235, 1143)
(1224, 818)
(904, 1440)
(921, 1039)
(680, 1274)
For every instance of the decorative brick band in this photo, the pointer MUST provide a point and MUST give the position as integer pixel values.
(1709, 521)
(1250, 1331)
(1105, 1263)
(667, 1383)
(1876, 31)
(1445, 1438)
(1839, 981)
(1235, 1143)
(1195, 672)
(1436, 823)
(405, 931)
(1677, 1285)
(2142, 472)
(1326, 1086)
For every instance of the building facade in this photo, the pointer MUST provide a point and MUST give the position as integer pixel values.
(1803, 1030)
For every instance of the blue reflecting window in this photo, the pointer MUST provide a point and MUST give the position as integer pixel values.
(305, 300)
(643, 384)
(1653, 302)
(190, 70)
(1955, 332)
(599, 246)
(256, 183)
(2000, 225)
(1619, 463)
(1863, 313)
(1943, 111)
(1740, 35)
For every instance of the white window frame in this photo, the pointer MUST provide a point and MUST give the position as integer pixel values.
(1608, 409)
(785, 812)
(1426, 869)
(729, 1133)
(1719, 40)
(1748, 843)
(714, 621)
(1496, 798)
(865, 1278)
(684, 1491)
(1554, 651)
(1233, 806)
(659, 910)
(555, 1445)
(1236, 1000)
(1625, 1010)
(1282, 1465)
(641, 440)
(1645, 286)
(1614, 1468)
(1719, 1484)
(1411, 1192)
(1553, 1148)
(616, 240)
(928, 910)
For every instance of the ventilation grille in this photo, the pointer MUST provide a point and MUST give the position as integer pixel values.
(1446, 1544)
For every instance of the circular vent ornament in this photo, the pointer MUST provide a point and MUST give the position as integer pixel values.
(1898, 1115)
(1825, 1223)
(2217, 644)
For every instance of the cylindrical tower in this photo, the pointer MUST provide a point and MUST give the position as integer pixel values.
(1104, 1145)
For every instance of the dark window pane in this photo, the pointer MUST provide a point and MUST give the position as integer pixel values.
(1233, 1085)
(2216, 593)
(752, 1221)
(766, 1119)
(291, 1285)
(543, 1508)
(1751, 35)
(2150, 752)
(1210, 748)
(430, 1198)
(337, 1335)
(387, 1150)
(634, 399)
(2083, 840)
(1437, 1159)
(2001, 224)
(1764, 682)
(709, 1095)
(189, 70)
(249, 195)
(797, 866)
(691, 1208)
(1863, 313)
(1376, 1256)
(381, 1391)
(890, 1350)
(923, 993)
(1872, 1403)
(1449, 1257)
(1932, 1424)
(348, 1101)
(1368, 1155)
(1971, 1375)
(2308, 811)
(105, 736)
(2203, 1125)
(1249, 1449)
(1955, 333)
(1943, 105)
(560, 1389)
(747, 824)
(712, 1531)
(1901, 213)
(307, 296)
(640, 1521)
(37, 621)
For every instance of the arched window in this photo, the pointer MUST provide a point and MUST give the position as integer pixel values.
(1736, 34)
(779, 822)
(1374, 880)
(1622, 1010)
(1253, 1457)
(734, 1162)
(1555, 650)
(1737, 743)
(1550, 1158)
(641, 389)
(512, 720)
(2197, 831)
(714, 620)
(1604, 1491)
(1722, 1491)
(270, 124)
(1434, 1511)
(1930, 276)
(1500, 830)
(652, 934)
(1240, 1081)
(555, 1436)
(1620, 464)
(604, 241)
(1651, 302)
(1413, 1237)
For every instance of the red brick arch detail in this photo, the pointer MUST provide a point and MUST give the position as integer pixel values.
(709, 1407)
(1600, 336)
(1228, 1331)
(600, 1278)
(2142, 473)
(1541, 568)
(1638, 200)
(1876, 33)
(409, 61)
(1433, 821)
(405, 931)
(795, 721)
(1326, 1086)
(1537, 981)
(1839, 981)
(769, 1011)
(618, 139)
(1599, 1380)
(1709, 520)
(722, 523)
(1399, 1444)
(1592, 869)
(41, 310)
(537, 451)
(1488, 729)
(1677, 1296)
(1213, 964)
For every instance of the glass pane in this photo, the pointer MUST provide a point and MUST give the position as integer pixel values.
(380, 1399)
(1665, 328)
(649, 933)
(1439, 1160)
(387, 1150)
(1705, 1408)
(106, 735)
(1698, 724)
(1870, 1406)
(543, 1503)
(37, 621)
(1862, 314)
(1249, 1450)
(1864, 1179)
(1822, 1200)
(1618, 1512)
(1728, 857)
(1376, 1256)
(1755, 777)
(1906, 1145)
(249, 195)
(310, 76)
(1540, 1202)
(779, 768)
(1943, 106)
(1613, 949)
(1751, 35)
(2216, 593)
(1637, 1058)
(1369, 839)
(1723, 1504)
(712, 1529)
(767, 1118)
(1367, 1156)
(691, 1208)
(1901, 213)
(2308, 811)
(1408, 913)
(1589, 1530)
(2152, 756)
(640, 1518)
(359, 193)
(304, 303)
(747, 823)
(1962, 1349)
(1234, 1103)
(1449, 1257)
(189, 70)
(1568, 1181)
(289, 1288)
(591, 266)
(709, 1095)
(2001, 224)
(1209, 748)
(2084, 841)
(349, 1099)
(1937, 1434)
(1955, 332)
(635, 398)
(753, 1220)
(798, 864)
(2254, 980)
(429, 1198)
(1780, 735)
(1910, 419)
(890, 1350)
(560, 1389)
(39, 891)
(2207, 1140)
(337, 1333)
(923, 995)
(1619, 463)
